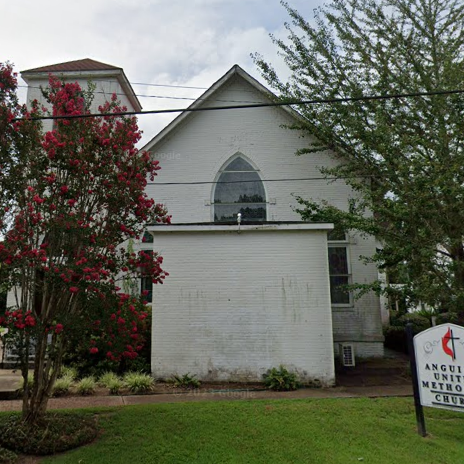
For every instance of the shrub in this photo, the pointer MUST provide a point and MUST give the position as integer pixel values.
(419, 323)
(428, 313)
(395, 334)
(97, 364)
(89, 366)
(69, 372)
(138, 382)
(86, 386)
(7, 456)
(138, 364)
(62, 385)
(445, 318)
(395, 338)
(280, 379)
(111, 381)
(185, 381)
(53, 434)
(106, 378)
(115, 385)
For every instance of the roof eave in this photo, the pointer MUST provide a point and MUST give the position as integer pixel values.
(116, 72)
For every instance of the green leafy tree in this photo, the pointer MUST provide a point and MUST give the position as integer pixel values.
(403, 157)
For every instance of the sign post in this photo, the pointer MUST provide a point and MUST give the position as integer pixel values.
(415, 383)
(437, 369)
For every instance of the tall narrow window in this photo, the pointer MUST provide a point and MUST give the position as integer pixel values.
(239, 189)
(146, 288)
(146, 284)
(339, 268)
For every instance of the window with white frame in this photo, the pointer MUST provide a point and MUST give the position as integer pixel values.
(146, 284)
(339, 268)
(239, 189)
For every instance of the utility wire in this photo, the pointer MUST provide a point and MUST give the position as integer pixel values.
(168, 85)
(153, 85)
(160, 85)
(255, 105)
(249, 181)
(156, 96)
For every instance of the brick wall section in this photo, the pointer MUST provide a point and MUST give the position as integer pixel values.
(236, 305)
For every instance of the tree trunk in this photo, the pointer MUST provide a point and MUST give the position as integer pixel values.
(47, 364)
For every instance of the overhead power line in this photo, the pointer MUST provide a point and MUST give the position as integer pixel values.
(170, 85)
(173, 86)
(167, 97)
(257, 105)
(250, 181)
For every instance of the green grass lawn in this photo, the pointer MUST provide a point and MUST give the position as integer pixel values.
(332, 431)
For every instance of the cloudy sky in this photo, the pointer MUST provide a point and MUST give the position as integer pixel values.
(174, 42)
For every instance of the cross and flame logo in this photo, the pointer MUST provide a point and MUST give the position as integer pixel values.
(448, 340)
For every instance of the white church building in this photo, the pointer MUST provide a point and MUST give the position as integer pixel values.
(251, 286)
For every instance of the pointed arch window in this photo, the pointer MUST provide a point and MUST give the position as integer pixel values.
(239, 189)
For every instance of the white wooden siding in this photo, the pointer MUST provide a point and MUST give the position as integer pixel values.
(196, 150)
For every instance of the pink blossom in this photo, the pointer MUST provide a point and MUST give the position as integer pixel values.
(37, 199)
(58, 328)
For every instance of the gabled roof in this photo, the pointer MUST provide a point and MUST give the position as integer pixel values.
(236, 70)
(86, 64)
(85, 67)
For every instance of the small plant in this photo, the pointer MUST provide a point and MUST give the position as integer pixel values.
(115, 385)
(280, 379)
(138, 382)
(62, 385)
(185, 381)
(68, 371)
(107, 378)
(86, 386)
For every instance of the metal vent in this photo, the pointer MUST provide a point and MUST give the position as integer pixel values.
(347, 355)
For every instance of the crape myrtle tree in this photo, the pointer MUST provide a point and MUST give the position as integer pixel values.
(403, 157)
(70, 199)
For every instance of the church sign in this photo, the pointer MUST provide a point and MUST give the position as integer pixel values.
(439, 353)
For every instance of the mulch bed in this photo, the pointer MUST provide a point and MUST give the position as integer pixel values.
(161, 388)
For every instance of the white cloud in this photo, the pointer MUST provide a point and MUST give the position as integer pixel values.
(155, 41)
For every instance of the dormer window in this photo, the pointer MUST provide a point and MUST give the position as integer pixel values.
(239, 189)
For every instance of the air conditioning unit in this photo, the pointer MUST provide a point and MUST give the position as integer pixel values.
(346, 353)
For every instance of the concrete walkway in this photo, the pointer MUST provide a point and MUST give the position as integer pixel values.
(196, 396)
(381, 377)
(10, 380)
